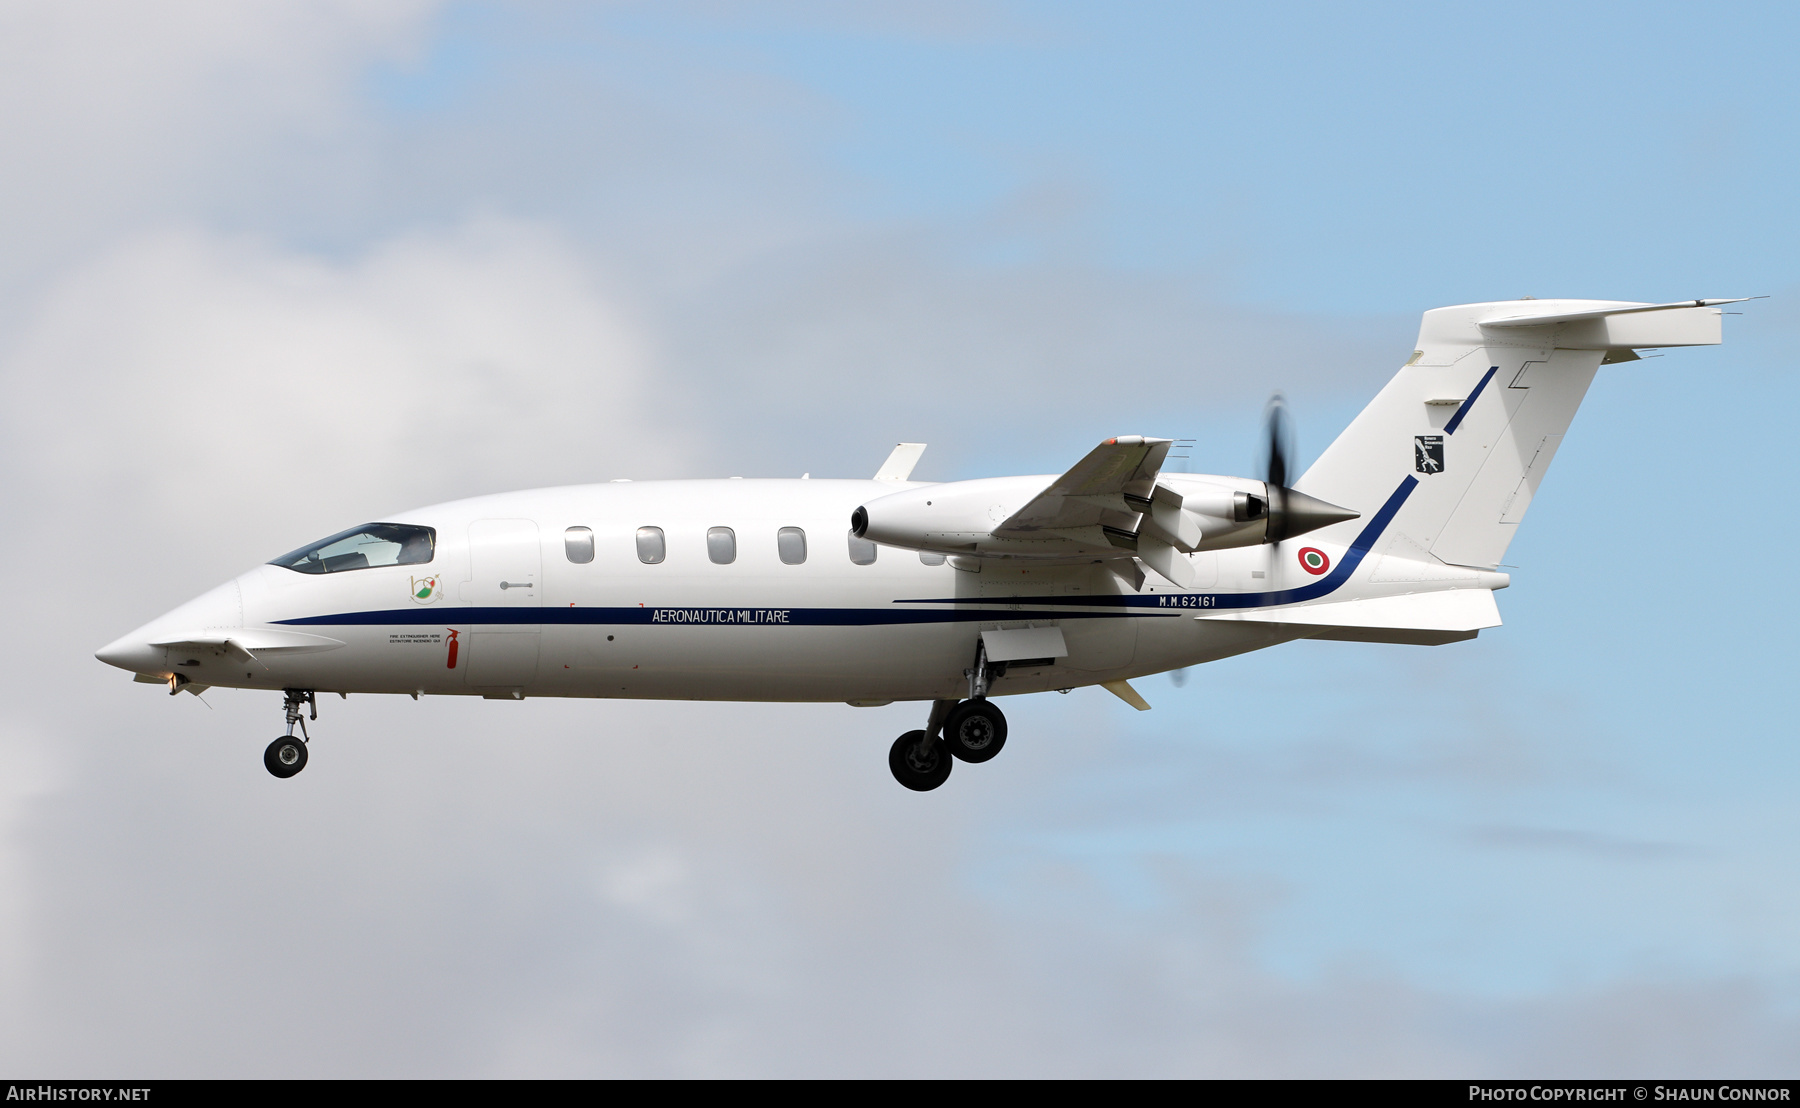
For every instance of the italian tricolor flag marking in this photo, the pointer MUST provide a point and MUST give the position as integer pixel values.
(1313, 560)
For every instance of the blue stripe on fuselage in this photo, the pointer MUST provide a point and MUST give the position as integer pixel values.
(692, 615)
(1156, 604)
(1332, 581)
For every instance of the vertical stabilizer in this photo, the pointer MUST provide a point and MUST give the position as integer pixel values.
(1475, 417)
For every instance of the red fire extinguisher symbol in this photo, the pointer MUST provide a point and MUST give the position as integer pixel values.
(451, 662)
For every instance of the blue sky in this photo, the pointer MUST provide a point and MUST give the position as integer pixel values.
(769, 239)
(1333, 159)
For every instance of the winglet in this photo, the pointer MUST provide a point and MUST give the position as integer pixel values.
(1124, 691)
(900, 463)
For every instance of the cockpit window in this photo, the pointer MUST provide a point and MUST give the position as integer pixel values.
(372, 544)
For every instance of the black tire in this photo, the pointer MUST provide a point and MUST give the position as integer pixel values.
(920, 774)
(975, 730)
(285, 757)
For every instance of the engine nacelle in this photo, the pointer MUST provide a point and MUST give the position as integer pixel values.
(1187, 512)
(958, 517)
(1227, 516)
(1253, 513)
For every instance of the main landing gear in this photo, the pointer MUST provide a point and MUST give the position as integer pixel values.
(286, 756)
(973, 730)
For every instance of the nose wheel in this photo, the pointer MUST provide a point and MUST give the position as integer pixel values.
(286, 756)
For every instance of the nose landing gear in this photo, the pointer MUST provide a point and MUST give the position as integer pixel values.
(286, 756)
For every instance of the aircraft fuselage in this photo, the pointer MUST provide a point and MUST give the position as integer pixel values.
(501, 610)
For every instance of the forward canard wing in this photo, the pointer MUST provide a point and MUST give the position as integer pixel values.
(249, 642)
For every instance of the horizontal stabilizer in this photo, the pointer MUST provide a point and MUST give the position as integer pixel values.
(1545, 319)
(1501, 327)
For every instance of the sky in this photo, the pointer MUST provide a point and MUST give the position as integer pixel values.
(270, 270)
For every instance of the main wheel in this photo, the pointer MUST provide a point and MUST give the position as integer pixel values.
(975, 730)
(285, 757)
(919, 771)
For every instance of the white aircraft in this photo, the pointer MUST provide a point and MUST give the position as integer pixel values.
(874, 591)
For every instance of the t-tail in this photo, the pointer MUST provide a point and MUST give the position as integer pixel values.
(1462, 436)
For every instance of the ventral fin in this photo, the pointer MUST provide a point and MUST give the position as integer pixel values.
(1124, 691)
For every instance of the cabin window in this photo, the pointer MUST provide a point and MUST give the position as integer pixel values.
(790, 543)
(721, 545)
(578, 544)
(372, 544)
(931, 559)
(862, 551)
(650, 545)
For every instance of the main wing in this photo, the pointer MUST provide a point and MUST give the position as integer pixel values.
(1111, 498)
(1109, 488)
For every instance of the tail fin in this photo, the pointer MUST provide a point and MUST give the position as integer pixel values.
(1467, 428)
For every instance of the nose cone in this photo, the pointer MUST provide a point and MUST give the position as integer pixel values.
(133, 653)
(220, 609)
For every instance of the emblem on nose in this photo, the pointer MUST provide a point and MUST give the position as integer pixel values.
(424, 589)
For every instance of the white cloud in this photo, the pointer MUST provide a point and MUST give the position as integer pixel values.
(186, 404)
(557, 888)
(30, 772)
(112, 111)
(185, 379)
